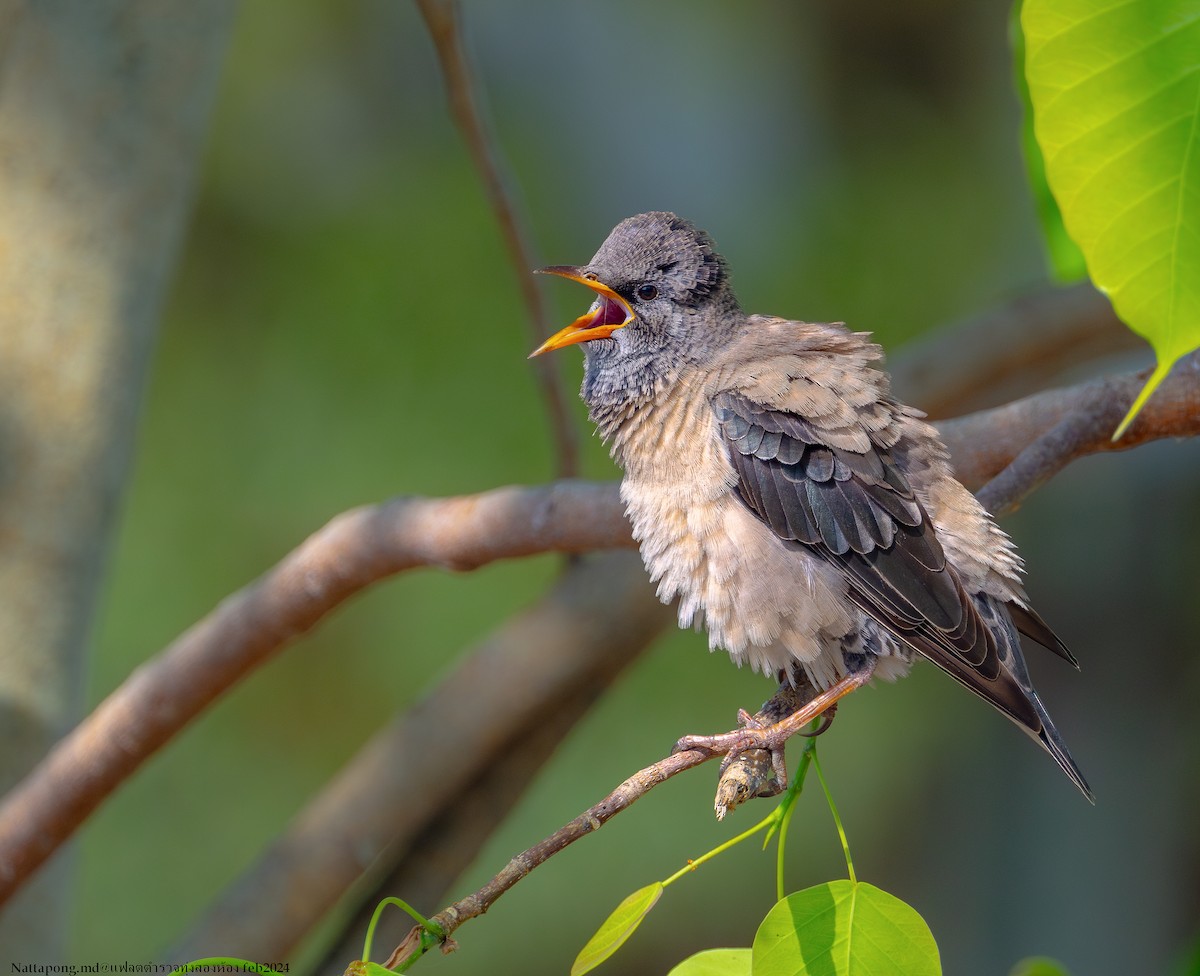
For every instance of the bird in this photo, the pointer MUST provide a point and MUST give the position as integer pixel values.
(795, 509)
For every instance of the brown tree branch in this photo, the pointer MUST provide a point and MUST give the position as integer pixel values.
(444, 23)
(1021, 445)
(1086, 414)
(424, 869)
(353, 551)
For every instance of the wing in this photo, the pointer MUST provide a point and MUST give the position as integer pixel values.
(859, 512)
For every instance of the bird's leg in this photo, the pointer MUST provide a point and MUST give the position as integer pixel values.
(820, 706)
(757, 735)
(750, 746)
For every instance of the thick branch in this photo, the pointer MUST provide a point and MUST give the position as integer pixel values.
(353, 551)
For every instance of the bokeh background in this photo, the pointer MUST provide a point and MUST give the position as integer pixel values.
(345, 327)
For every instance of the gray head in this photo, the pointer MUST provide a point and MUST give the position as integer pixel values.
(663, 300)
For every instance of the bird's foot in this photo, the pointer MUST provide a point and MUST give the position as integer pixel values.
(748, 770)
(754, 763)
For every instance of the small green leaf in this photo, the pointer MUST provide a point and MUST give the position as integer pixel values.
(1038, 966)
(715, 962)
(1065, 258)
(844, 928)
(374, 969)
(1115, 89)
(618, 927)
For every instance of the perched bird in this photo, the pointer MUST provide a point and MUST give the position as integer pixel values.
(795, 509)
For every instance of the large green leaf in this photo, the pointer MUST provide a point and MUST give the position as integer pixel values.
(715, 962)
(844, 928)
(1115, 86)
(1066, 260)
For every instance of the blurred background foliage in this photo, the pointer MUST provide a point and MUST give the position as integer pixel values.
(345, 327)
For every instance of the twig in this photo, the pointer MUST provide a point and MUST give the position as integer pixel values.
(592, 819)
(425, 868)
(445, 28)
(623, 797)
(750, 773)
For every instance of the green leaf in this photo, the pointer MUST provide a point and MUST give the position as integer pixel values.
(715, 962)
(618, 927)
(1115, 86)
(844, 928)
(1038, 966)
(1066, 260)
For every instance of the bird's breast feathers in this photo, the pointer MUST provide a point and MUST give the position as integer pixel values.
(766, 605)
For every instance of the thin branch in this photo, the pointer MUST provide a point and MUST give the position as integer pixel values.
(1022, 445)
(623, 797)
(592, 819)
(757, 772)
(565, 649)
(444, 23)
(426, 867)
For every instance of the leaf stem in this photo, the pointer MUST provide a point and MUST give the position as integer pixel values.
(836, 819)
(431, 927)
(692, 865)
(787, 807)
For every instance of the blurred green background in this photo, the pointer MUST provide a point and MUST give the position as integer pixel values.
(344, 327)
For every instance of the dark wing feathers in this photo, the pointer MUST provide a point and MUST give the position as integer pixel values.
(858, 512)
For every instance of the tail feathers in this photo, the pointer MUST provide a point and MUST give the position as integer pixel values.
(1052, 742)
(1011, 693)
(1030, 623)
(1009, 688)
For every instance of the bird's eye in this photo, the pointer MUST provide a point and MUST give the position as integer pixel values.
(647, 292)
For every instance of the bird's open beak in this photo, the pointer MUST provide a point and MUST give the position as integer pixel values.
(608, 313)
